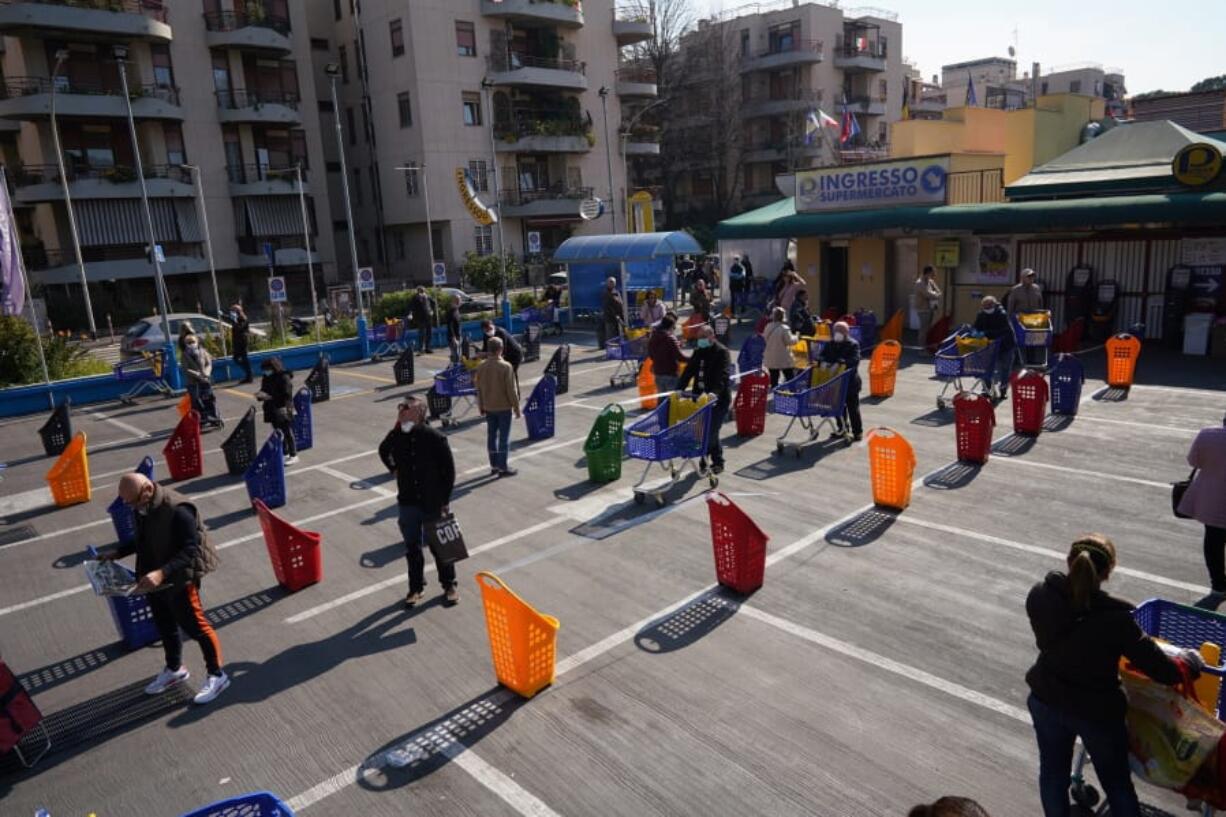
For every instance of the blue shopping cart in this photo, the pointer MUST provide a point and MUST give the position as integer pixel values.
(678, 429)
(385, 339)
(455, 383)
(629, 352)
(952, 366)
(146, 374)
(1032, 334)
(122, 516)
(812, 406)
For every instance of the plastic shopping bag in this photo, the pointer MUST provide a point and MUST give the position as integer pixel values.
(1170, 735)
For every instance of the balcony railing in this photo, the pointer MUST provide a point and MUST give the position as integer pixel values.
(501, 62)
(29, 175)
(518, 198)
(249, 174)
(149, 8)
(873, 49)
(254, 245)
(542, 122)
(792, 45)
(234, 20)
(37, 258)
(237, 100)
(647, 76)
(30, 86)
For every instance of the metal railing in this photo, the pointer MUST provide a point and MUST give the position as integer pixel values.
(516, 198)
(234, 20)
(148, 8)
(636, 74)
(515, 61)
(30, 86)
(793, 95)
(236, 100)
(631, 13)
(848, 48)
(28, 175)
(975, 187)
(541, 122)
(37, 258)
(249, 174)
(791, 46)
(254, 245)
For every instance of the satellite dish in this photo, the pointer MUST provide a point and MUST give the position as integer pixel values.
(1012, 51)
(590, 209)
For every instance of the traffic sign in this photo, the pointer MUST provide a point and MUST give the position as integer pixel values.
(534, 243)
(366, 279)
(159, 253)
(276, 289)
(439, 271)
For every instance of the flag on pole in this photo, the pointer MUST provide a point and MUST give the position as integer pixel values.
(850, 128)
(815, 121)
(12, 281)
(906, 100)
(971, 100)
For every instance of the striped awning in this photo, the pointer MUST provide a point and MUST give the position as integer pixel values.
(188, 219)
(272, 216)
(111, 222)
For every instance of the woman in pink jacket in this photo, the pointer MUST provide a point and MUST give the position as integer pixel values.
(1205, 501)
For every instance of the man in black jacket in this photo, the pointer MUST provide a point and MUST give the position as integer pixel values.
(844, 349)
(421, 307)
(420, 458)
(512, 352)
(993, 322)
(239, 328)
(707, 371)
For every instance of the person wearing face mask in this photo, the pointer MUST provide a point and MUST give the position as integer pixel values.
(993, 322)
(652, 311)
(844, 349)
(420, 459)
(777, 356)
(277, 394)
(240, 328)
(173, 554)
(1205, 501)
(198, 366)
(512, 352)
(707, 372)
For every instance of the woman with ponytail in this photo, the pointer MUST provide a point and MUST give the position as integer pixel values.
(1075, 686)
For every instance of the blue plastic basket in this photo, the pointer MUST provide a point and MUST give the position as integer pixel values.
(866, 320)
(131, 614)
(1067, 374)
(454, 381)
(122, 516)
(256, 804)
(303, 424)
(796, 398)
(1183, 626)
(265, 477)
(539, 410)
(751, 354)
(651, 438)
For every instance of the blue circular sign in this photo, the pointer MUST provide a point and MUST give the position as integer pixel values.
(933, 179)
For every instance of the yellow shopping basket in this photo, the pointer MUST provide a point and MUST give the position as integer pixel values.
(69, 477)
(523, 642)
(824, 374)
(966, 345)
(680, 408)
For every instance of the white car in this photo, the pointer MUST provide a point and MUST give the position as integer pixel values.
(467, 302)
(146, 334)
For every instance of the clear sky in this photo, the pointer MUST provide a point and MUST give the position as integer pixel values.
(1168, 45)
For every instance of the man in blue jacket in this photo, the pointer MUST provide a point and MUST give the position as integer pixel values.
(993, 322)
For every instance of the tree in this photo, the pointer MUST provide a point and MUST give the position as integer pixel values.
(1210, 84)
(483, 273)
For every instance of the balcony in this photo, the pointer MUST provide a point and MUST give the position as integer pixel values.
(250, 30)
(37, 183)
(799, 100)
(866, 106)
(853, 59)
(556, 202)
(639, 146)
(110, 263)
(262, 180)
(927, 106)
(781, 151)
(785, 55)
(630, 26)
(541, 72)
(67, 19)
(258, 108)
(565, 13)
(287, 251)
(29, 98)
(544, 130)
(635, 82)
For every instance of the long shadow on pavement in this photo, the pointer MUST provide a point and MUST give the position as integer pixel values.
(778, 465)
(863, 529)
(1015, 445)
(953, 476)
(681, 628)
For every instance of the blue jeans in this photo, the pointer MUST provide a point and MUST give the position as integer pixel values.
(1004, 367)
(1107, 743)
(498, 437)
(411, 519)
(666, 383)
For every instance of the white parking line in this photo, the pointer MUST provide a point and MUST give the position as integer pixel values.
(25, 501)
(1191, 432)
(1081, 471)
(138, 433)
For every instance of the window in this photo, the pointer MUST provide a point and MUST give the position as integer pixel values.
(396, 30)
(342, 57)
(1074, 87)
(365, 126)
(702, 184)
(332, 167)
(436, 244)
(374, 187)
(411, 180)
(404, 103)
(325, 106)
(744, 42)
(319, 44)
(336, 9)
(1044, 89)
(883, 88)
(364, 246)
(163, 74)
(176, 154)
(353, 131)
(479, 171)
(340, 226)
(883, 132)
(357, 185)
(465, 39)
(483, 238)
(472, 108)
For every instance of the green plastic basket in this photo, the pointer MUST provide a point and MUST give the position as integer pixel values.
(603, 447)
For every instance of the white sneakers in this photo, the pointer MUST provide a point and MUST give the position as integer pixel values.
(291, 460)
(214, 685)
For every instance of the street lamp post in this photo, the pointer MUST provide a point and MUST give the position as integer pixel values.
(425, 192)
(625, 137)
(608, 151)
(334, 71)
(121, 57)
(488, 86)
(208, 244)
(61, 56)
(306, 239)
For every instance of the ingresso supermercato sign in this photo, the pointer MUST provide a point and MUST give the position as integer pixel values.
(871, 186)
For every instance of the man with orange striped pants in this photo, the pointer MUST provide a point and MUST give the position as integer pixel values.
(173, 554)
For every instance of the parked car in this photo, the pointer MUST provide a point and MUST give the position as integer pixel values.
(146, 334)
(469, 303)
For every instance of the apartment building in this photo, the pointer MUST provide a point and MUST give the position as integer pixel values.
(214, 86)
(526, 86)
(1203, 111)
(789, 59)
(997, 84)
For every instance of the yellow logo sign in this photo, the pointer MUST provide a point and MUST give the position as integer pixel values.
(480, 213)
(1197, 164)
(945, 254)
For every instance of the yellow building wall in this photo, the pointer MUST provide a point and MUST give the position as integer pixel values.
(809, 264)
(866, 274)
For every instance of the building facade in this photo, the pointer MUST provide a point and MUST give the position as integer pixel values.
(1203, 111)
(434, 86)
(997, 84)
(222, 97)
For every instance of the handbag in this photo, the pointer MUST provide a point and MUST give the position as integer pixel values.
(445, 539)
(1178, 489)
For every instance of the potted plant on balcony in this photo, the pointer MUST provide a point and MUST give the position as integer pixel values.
(119, 174)
(254, 10)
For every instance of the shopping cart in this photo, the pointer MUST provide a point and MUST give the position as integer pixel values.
(630, 352)
(814, 398)
(385, 339)
(678, 429)
(455, 383)
(1184, 627)
(145, 374)
(953, 364)
(1032, 334)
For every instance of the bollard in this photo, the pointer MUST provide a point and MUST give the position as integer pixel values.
(184, 452)
(69, 477)
(523, 642)
(892, 466)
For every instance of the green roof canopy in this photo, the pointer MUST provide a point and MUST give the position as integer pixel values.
(780, 220)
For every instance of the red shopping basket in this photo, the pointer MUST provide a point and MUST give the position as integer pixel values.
(974, 419)
(19, 716)
(1029, 401)
(740, 545)
(750, 404)
(297, 560)
(183, 451)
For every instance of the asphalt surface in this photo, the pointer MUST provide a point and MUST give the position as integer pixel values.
(881, 664)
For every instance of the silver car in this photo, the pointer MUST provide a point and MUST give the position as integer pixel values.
(146, 334)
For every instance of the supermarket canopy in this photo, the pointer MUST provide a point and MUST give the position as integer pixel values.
(625, 247)
(780, 220)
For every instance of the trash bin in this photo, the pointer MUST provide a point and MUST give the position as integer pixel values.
(892, 467)
(749, 405)
(883, 368)
(603, 447)
(122, 516)
(183, 451)
(403, 369)
(295, 554)
(539, 410)
(1067, 375)
(303, 424)
(739, 545)
(318, 381)
(69, 477)
(1029, 401)
(559, 367)
(265, 477)
(1122, 353)
(974, 421)
(523, 642)
(239, 447)
(56, 433)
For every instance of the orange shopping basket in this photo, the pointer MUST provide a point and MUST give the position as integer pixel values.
(647, 386)
(883, 368)
(184, 405)
(1122, 353)
(892, 465)
(893, 328)
(689, 329)
(69, 477)
(523, 642)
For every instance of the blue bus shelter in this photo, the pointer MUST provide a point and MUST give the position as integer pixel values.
(638, 261)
